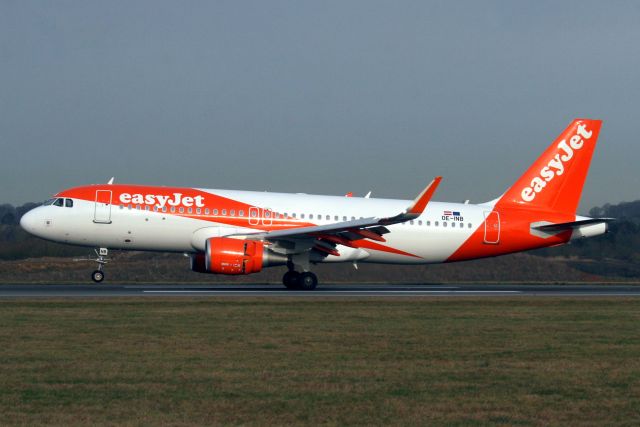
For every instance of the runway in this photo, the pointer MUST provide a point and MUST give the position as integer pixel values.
(324, 291)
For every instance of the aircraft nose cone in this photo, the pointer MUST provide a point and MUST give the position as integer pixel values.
(29, 221)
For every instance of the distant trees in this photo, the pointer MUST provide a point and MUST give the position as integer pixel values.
(625, 211)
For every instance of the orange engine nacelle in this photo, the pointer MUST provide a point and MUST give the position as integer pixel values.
(223, 255)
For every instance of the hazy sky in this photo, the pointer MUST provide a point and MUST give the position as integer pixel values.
(314, 96)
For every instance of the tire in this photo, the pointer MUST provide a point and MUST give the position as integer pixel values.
(97, 276)
(290, 279)
(308, 281)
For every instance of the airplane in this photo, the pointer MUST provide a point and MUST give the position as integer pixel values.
(242, 232)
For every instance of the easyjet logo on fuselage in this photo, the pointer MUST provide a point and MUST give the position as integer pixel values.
(556, 166)
(177, 199)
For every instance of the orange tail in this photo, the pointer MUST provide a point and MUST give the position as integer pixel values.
(554, 182)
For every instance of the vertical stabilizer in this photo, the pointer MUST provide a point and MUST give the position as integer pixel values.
(555, 181)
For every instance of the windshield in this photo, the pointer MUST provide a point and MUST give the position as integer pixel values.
(48, 202)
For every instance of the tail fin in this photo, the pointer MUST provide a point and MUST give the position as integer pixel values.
(554, 182)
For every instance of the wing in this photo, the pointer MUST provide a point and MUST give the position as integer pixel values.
(326, 237)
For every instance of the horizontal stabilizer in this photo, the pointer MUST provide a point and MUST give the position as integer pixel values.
(563, 226)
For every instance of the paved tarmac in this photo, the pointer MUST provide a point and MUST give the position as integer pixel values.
(333, 291)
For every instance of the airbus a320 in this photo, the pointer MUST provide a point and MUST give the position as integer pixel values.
(242, 232)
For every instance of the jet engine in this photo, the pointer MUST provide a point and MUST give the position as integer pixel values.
(224, 255)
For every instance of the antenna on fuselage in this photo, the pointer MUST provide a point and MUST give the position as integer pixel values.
(111, 180)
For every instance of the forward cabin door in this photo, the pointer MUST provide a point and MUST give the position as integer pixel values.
(491, 227)
(102, 210)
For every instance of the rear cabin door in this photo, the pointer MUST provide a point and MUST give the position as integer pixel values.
(491, 227)
(102, 211)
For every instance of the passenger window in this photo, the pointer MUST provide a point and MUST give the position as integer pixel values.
(241, 213)
(58, 202)
(436, 223)
(461, 225)
(181, 209)
(224, 212)
(310, 216)
(215, 211)
(444, 224)
(68, 203)
(411, 222)
(344, 218)
(428, 223)
(336, 218)
(146, 207)
(155, 208)
(328, 217)
(302, 216)
(420, 222)
(267, 214)
(164, 208)
(232, 212)
(173, 208)
(122, 207)
(198, 211)
(469, 225)
(353, 218)
(294, 216)
(207, 211)
(190, 210)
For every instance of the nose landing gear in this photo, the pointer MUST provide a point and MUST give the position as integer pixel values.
(98, 275)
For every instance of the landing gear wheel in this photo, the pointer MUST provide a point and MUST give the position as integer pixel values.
(97, 276)
(307, 281)
(291, 279)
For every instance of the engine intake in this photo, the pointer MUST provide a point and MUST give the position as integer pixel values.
(224, 255)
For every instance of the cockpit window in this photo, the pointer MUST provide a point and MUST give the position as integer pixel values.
(48, 202)
(68, 203)
(58, 202)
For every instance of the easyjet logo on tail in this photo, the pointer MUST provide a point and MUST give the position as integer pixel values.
(556, 166)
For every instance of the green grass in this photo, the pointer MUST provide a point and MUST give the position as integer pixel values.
(520, 361)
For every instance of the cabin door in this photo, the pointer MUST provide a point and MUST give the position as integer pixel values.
(102, 210)
(491, 227)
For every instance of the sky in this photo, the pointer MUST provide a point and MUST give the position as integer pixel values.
(320, 97)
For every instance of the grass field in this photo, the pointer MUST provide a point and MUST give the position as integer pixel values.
(521, 361)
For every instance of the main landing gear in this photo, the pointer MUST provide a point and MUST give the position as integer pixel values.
(306, 281)
(98, 275)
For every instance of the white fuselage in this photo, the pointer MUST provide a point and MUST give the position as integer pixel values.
(431, 238)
